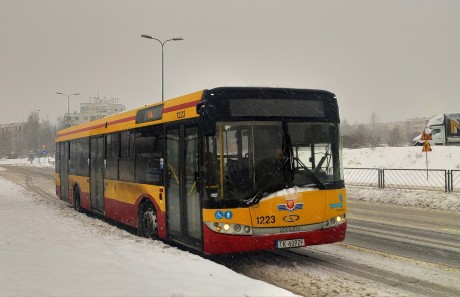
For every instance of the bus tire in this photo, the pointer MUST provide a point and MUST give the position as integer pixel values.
(76, 199)
(148, 221)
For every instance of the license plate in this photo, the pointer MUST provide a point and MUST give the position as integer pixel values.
(285, 244)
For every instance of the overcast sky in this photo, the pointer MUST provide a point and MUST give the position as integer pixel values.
(399, 59)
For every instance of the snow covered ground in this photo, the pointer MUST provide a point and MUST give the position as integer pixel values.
(48, 249)
(37, 162)
(410, 157)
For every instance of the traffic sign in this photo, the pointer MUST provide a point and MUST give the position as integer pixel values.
(426, 147)
(425, 135)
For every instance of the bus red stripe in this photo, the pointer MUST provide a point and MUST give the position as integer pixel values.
(165, 110)
(98, 126)
(180, 106)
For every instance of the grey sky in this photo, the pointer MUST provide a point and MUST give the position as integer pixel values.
(400, 59)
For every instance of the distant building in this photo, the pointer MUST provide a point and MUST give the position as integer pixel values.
(96, 108)
(413, 126)
(11, 128)
(10, 139)
(416, 126)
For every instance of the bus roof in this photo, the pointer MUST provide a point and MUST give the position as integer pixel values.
(182, 107)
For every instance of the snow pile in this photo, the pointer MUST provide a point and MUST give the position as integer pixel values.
(411, 198)
(55, 251)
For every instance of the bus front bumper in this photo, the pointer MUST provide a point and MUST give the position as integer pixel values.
(217, 243)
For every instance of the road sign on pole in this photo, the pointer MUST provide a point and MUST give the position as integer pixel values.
(426, 147)
(426, 135)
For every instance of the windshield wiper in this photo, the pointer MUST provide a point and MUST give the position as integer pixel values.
(276, 167)
(313, 176)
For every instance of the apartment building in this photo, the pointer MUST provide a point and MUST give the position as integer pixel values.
(96, 108)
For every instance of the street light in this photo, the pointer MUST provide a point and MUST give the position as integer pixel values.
(68, 99)
(162, 58)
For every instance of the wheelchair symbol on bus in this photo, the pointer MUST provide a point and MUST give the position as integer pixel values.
(219, 214)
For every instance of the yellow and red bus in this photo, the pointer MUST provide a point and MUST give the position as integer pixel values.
(224, 170)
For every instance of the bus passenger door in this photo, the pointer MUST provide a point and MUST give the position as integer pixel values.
(64, 170)
(182, 198)
(97, 174)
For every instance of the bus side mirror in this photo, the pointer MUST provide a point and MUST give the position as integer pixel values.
(207, 118)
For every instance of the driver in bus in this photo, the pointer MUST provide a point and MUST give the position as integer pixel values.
(265, 167)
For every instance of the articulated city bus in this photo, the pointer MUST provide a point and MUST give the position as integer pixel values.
(224, 170)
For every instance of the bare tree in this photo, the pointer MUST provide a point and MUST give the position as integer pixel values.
(395, 136)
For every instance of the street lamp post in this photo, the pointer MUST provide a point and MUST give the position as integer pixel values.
(68, 99)
(162, 58)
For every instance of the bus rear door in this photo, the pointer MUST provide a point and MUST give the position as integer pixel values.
(97, 174)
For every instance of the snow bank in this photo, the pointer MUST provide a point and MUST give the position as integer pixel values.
(48, 249)
(411, 198)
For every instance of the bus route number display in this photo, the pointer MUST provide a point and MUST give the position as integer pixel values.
(149, 114)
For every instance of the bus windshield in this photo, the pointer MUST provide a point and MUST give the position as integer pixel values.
(245, 159)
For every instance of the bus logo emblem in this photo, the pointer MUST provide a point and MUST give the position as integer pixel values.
(290, 205)
(291, 218)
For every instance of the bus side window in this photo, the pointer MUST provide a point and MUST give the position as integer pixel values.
(126, 163)
(112, 155)
(148, 145)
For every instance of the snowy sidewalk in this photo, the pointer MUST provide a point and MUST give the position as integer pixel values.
(50, 250)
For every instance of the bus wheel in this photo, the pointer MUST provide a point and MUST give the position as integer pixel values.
(76, 200)
(148, 222)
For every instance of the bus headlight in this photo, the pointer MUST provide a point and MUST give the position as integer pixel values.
(333, 222)
(228, 228)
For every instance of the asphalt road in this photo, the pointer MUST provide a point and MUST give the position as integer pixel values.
(419, 233)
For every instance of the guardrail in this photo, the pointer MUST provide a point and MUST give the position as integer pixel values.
(414, 179)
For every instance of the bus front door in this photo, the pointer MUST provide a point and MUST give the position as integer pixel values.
(97, 174)
(182, 198)
(64, 170)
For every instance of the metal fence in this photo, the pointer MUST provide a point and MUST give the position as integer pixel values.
(421, 179)
(454, 185)
(363, 177)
